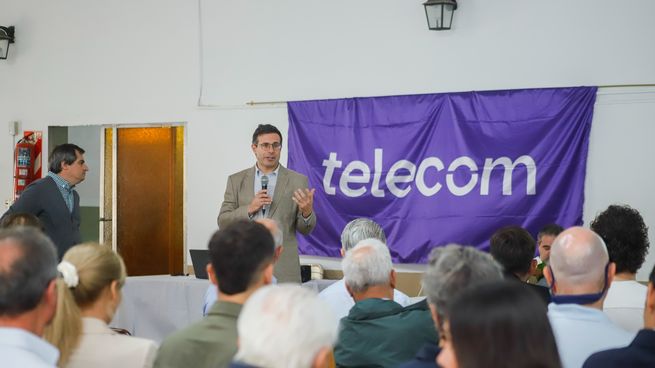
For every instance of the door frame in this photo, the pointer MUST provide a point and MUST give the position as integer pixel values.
(113, 128)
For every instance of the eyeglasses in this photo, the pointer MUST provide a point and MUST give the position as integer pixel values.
(267, 146)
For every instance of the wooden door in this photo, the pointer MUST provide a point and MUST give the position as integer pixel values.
(149, 199)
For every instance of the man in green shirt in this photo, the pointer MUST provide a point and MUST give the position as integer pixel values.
(378, 332)
(241, 257)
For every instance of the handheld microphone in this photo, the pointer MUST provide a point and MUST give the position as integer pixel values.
(264, 182)
(264, 187)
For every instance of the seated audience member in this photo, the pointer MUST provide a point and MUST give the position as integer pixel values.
(579, 275)
(241, 262)
(285, 327)
(545, 238)
(626, 236)
(378, 331)
(28, 297)
(211, 295)
(498, 325)
(336, 294)
(20, 219)
(451, 270)
(641, 351)
(513, 247)
(89, 293)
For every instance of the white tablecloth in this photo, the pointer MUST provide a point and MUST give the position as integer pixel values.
(155, 306)
(318, 285)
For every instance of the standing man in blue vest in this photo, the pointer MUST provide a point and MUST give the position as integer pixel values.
(54, 200)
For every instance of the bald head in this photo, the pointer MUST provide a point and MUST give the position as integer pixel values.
(578, 258)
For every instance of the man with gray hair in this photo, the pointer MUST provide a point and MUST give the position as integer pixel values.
(285, 326)
(451, 270)
(211, 295)
(28, 297)
(378, 331)
(336, 294)
(579, 274)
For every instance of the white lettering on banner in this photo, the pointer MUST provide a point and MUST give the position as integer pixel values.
(450, 182)
(330, 164)
(402, 173)
(348, 177)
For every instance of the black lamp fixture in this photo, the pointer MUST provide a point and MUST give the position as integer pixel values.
(6, 37)
(440, 13)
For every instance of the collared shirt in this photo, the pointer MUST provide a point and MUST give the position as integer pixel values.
(65, 189)
(272, 180)
(20, 348)
(581, 331)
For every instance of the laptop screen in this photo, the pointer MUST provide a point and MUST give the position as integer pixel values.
(200, 259)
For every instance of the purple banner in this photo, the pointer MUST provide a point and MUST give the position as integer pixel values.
(441, 168)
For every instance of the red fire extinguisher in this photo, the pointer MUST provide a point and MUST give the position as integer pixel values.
(25, 163)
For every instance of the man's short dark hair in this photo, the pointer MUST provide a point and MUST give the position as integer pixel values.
(550, 230)
(239, 253)
(626, 236)
(265, 129)
(63, 153)
(513, 247)
(23, 281)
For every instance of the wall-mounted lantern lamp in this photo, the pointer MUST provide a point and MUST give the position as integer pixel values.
(440, 13)
(6, 37)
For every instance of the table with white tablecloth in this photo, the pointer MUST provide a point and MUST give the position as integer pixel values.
(155, 306)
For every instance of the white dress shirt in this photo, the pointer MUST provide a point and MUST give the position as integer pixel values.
(624, 304)
(270, 190)
(20, 348)
(340, 301)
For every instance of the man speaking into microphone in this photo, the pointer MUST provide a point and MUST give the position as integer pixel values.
(270, 190)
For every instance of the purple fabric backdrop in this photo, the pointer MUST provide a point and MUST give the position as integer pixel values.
(440, 168)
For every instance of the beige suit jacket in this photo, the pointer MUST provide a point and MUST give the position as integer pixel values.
(240, 192)
(100, 347)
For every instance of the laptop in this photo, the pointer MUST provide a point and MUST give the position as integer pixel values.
(200, 259)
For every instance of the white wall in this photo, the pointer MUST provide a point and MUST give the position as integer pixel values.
(309, 49)
(77, 62)
(89, 189)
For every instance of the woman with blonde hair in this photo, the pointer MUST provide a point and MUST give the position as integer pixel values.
(89, 292)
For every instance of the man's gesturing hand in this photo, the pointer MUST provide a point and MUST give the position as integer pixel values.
(304, 198)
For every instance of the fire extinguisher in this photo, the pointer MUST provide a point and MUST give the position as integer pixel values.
(24, 160)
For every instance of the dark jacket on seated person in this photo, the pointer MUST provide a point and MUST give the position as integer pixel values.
(426, 357)
(542, 292)
(381, 333)
(640, 353)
